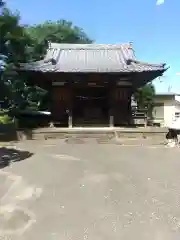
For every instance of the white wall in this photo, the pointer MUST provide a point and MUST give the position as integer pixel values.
(167, 110)
(177, 98)
(158, 111)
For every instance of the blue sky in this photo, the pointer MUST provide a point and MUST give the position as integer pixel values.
(154, 30)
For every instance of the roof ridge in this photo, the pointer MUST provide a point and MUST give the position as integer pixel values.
(87, 46)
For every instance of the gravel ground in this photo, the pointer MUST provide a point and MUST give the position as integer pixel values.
(86, 190)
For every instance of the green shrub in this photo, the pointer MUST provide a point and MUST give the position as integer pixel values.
(5, 118)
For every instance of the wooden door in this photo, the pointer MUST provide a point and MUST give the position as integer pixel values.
(121, 105)
(61, 99)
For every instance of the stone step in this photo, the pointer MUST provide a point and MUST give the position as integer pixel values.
(97, 136)
(132, 133)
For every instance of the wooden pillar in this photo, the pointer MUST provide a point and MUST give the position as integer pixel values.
(70, 103)
(130, 120)
(70, 123)
(111, 108)
(111, 118)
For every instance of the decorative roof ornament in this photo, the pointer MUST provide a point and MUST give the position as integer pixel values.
(159, 2)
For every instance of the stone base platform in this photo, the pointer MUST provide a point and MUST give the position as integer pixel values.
(102, 132)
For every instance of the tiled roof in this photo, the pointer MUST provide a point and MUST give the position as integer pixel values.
(167, 94)
(91, 58)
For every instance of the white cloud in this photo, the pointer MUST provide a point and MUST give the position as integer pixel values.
(159, 2)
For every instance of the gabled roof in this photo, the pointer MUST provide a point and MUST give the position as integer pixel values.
(91, 58)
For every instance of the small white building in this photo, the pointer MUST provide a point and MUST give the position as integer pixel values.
(166, 109)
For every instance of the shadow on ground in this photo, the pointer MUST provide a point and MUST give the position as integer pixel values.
(9, 155)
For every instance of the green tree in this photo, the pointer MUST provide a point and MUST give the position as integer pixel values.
(28, 43)
(2, 3)
(61, 31)
(145, 98)
(13, 45)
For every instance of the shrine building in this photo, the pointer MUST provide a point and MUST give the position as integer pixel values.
(91, 84)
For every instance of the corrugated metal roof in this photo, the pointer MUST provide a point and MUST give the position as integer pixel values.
(91, 58)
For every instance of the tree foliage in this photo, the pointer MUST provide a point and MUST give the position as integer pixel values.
(13, 45)
(145, 97)
(28, 43)
(61, 31)
(2, 3)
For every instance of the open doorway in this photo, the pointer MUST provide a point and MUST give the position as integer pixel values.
(90, 106)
